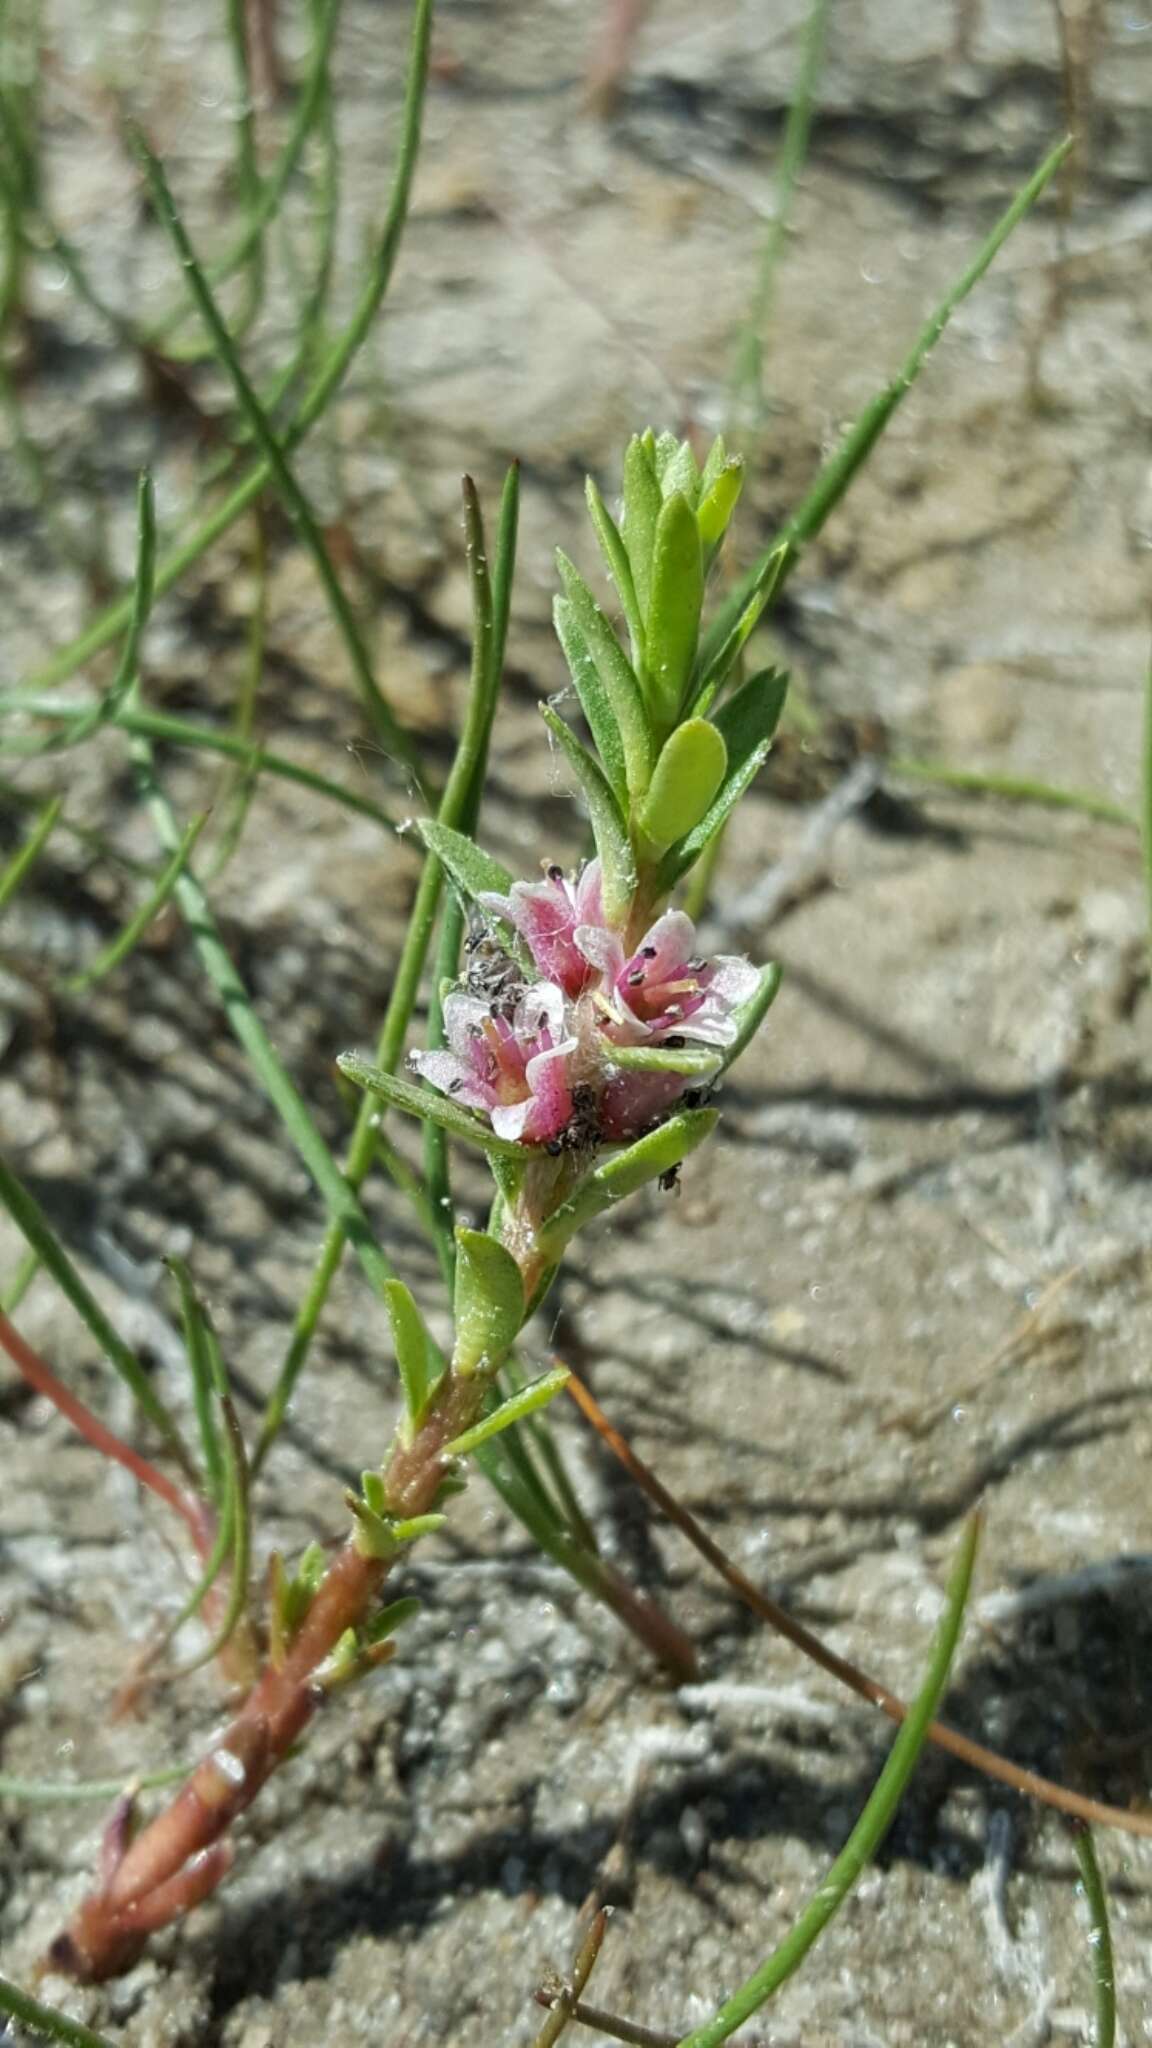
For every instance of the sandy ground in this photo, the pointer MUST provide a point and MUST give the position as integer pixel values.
(912, 1274)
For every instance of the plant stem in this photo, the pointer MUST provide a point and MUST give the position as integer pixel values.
(329, 377)
(869, 1830)
(45, 2020)
(1100, 1938)
(1030, 1783)
(182, 1855)
(380, 715)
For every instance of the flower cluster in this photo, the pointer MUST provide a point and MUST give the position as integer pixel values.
(547, 1060)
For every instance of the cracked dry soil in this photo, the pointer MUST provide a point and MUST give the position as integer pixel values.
(913, 1272)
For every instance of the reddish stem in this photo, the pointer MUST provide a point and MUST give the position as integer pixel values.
(180, 1857)
(40, 1375)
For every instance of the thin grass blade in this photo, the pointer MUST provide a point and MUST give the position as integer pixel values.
(30, 1219)
(326, 382)
(381, 717)
(126, 941)
(871, 1827)
(1099, 1937)
(26, 856)
(858, 443)
(45, 2021)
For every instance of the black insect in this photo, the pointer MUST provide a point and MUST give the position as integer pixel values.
(582, 1132)
(669, 1181)
(490, 972)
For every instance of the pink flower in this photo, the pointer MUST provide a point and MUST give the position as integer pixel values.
(548, 916)
(662, 992)
(514, 1069)
(540, 1061)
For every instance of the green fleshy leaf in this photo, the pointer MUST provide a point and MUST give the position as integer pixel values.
(372, 1492)
(417, 1526)
(411, 1346)
(489, 1302)
(389, 1619)
(718, 503)
(293, 1596)
(381, 1535)
(523, 1402)
(716, 462)
(684, 782)
(642, 503)
(747, 724)
(619, 568)
(720, 667)
(594, 699)
(674, 608)
(606, 1185)
(434, 1108)
(751, 1014)
(473, 871)
(691, 1060)
(616, 675)
(608, 827)
(677, 468)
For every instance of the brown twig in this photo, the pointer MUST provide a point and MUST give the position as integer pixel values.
(1030, 1783)
(563, 2000)
(610, 2023)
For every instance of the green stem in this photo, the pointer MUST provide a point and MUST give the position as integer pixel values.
(858, 443)
(1016, 789)
(460, 794)
(31, 1221)
(27, 855)
(869, 1830)
(1100, 1938)
(339, 1196)
(125, 941)
(329, 377)
(747, 375)
(267, 204)
(380, 714)
(45, 2020)
(183, 732)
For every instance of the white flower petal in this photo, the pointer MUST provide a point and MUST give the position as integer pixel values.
(735, 980)
(601, 948)
(509, 1119)
(542, 1005)
(673, 938)
(462, 1015)
(451, 1076)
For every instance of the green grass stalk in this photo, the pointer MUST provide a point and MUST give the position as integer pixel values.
(327, 380)
(381, 717)
(1099, 1938)
(869, 1830)
(45, 2021)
